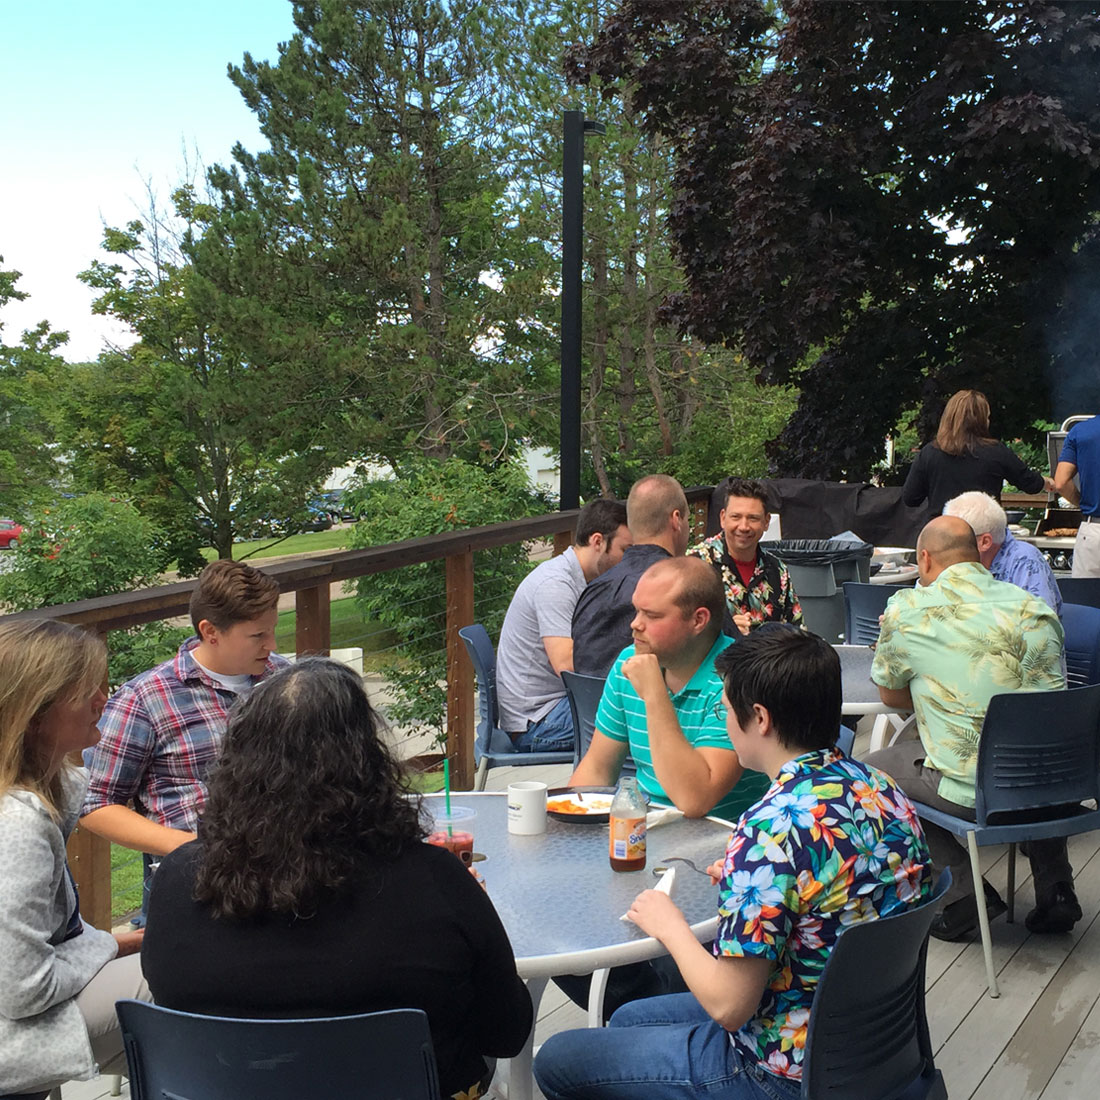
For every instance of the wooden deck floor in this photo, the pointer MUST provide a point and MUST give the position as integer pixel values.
(1040, 1040)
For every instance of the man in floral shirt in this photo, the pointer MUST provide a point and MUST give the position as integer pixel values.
(757, 584)
(833, 843)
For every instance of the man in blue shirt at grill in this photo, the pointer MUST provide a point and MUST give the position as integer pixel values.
(1080, 458)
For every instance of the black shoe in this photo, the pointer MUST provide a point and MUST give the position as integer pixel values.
(959, 920)
(1057, 913)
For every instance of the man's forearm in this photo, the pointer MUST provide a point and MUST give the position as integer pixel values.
(681, 769)
(124, 826)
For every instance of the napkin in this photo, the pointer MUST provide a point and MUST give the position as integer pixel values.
(662, 816)
(664, 884)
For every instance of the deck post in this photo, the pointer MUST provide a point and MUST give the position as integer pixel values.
(460, 672)
(313, 624)
(562, 541)
(90, 863)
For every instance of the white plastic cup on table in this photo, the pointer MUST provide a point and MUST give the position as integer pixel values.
(527, 808)
(454, 831)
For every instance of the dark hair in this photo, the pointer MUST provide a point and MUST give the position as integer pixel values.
(795, 675)
(601, 516)
(745, 487)
(305, 794)
(231, 592)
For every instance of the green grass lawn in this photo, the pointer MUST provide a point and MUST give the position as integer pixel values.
(348, 629)
(335, 538)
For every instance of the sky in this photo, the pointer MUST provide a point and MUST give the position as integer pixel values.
(98, 98)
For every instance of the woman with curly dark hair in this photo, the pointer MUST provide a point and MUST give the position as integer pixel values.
(310, 892)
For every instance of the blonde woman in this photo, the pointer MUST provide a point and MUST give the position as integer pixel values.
(59, 977)
(964, 457)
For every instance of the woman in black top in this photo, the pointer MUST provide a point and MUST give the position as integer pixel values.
(310, 893)
(963, 457)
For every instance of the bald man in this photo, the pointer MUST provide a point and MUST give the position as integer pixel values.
(946, 648)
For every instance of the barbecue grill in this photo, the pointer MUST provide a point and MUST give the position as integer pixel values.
(1058, 548)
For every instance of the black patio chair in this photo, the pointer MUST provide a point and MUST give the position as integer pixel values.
(863, 604)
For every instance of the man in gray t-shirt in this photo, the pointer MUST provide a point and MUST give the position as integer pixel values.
(536, 645)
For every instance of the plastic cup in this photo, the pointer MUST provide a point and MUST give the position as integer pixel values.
(454, 831)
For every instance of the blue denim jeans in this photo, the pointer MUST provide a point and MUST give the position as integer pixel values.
(553, 732)
(681, 1055)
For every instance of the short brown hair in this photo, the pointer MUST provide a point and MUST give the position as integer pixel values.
(650, 505)
(231, 592)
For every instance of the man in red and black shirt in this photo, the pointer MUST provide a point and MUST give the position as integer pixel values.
(757, 584)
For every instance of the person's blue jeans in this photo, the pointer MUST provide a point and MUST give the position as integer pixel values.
(553, 732)
(682, 1055)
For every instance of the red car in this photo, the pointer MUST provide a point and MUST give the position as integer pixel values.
(10, 531)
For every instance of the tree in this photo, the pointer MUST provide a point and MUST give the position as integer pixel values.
(433, 497)
(88, 546)
(368, 247)
(213, 444)
(883, 202)
(27, 458)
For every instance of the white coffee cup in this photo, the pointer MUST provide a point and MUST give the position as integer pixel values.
(527, 808)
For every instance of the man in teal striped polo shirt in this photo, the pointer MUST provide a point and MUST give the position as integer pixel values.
(661, 695)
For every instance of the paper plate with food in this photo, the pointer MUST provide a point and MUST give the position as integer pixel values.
(582, 805)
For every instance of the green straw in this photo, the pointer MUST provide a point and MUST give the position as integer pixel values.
(447, 792)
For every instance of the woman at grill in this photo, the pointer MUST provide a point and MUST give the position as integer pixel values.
(964, 457)
(59, 977)
(309, 891)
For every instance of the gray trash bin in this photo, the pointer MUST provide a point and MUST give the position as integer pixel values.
(819, 568)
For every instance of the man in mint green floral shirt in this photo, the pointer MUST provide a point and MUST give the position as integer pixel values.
(946, 648)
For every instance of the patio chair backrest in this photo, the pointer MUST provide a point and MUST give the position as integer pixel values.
(863, 604)
(384, 1055)
(584, 694)
(846, 740)
(868, 1033)
(490, 737)
(1082, 626)
(1080, 590)
(1039, 752)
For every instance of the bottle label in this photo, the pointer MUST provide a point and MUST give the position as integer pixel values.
(628, 838)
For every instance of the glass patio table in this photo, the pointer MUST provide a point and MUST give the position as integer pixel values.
(561, 903)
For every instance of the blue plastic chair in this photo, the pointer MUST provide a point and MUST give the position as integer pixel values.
(1038, 760)
(1084, 591)
(493, 747)
(1082, 626)
(584, 694)
(845, 740)
(868, 1033)
(863, 604)
(383, 1055)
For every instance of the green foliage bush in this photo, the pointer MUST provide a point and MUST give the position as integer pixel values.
(432, 497)
(93, 545)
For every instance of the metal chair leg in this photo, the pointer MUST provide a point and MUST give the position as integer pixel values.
(983, 915)
(596, 990)
(482, 774)
(1011, 883)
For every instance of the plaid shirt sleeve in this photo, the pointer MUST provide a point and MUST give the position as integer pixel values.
(120, 760)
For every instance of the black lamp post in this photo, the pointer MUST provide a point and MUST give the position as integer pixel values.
(572, 217)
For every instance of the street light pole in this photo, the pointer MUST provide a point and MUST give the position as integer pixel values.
(575, 126)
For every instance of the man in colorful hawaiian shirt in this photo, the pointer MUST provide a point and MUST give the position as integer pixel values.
(946, 648)
(1006, 557)
(832, 843)
(757, 584)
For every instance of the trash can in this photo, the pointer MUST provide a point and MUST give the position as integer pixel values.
(819, 568)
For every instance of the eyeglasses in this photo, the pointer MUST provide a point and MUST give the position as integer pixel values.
(720, 711)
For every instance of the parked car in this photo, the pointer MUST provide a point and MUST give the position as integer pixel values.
(10, 533)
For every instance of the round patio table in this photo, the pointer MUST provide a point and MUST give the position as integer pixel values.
(561, 903)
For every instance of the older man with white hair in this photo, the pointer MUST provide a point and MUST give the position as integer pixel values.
(1005, 556)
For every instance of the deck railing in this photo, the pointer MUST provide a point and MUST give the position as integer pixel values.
(310, 580)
